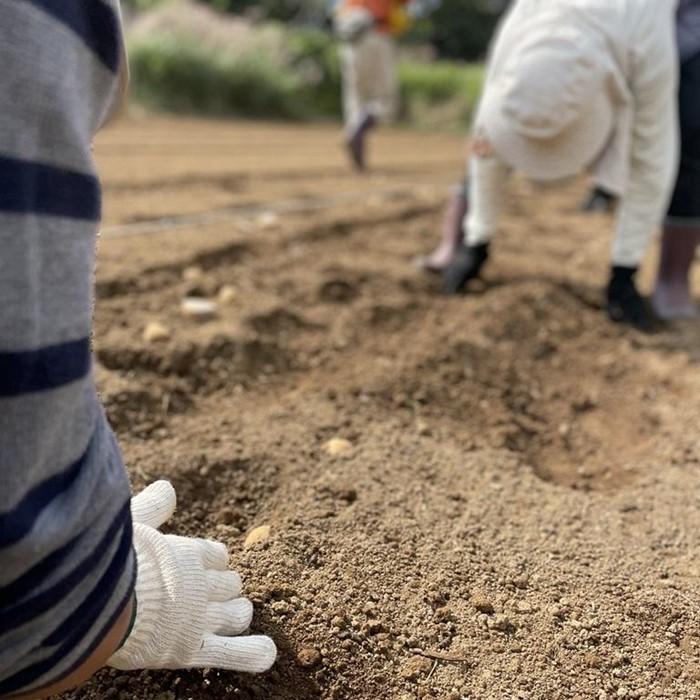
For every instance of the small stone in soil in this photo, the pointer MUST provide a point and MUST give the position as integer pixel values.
(338, 622)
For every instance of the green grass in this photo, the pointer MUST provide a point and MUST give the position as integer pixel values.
(182, 76)
(440, 93)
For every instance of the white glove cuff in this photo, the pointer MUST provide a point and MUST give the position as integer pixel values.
(160, 629)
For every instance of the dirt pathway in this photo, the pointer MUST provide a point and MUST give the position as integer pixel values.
(516, 514)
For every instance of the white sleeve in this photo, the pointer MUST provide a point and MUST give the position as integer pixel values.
(655, 134)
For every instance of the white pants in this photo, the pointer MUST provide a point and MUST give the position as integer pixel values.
(370, 80)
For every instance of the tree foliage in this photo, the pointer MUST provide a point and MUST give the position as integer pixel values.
(458, 29)
(462, 29)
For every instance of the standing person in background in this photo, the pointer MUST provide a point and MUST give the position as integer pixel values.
(367, 30)
(86, 578)
(681, 236)
(571, 85)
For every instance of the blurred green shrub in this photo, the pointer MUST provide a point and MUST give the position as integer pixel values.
(440, 94)
(458, 29)
(184, 76)
(277, 72)
(141, 5)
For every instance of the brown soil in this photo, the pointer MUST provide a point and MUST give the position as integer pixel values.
(518, 516)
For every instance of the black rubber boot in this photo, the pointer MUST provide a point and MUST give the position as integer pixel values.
(466, 265)
(625, 304)
(356, 142)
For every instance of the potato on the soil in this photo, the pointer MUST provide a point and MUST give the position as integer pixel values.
(155, 332)
(339, 447)
(193, 273)
(227, 294)
(257, 536)
(199, 308)
(268, 220)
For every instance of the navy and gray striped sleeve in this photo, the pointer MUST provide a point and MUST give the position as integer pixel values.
(66, 558)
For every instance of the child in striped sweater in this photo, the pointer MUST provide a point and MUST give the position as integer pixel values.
(85, 575)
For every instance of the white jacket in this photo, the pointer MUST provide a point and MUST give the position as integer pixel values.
(640, 163)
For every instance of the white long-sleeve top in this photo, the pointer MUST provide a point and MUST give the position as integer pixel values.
(640, 163)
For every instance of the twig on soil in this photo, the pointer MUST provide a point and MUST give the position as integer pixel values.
(432, 670)
(442, 656)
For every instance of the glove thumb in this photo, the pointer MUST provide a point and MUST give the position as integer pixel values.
(155, 505)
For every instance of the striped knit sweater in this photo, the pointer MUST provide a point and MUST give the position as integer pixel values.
(66, 560)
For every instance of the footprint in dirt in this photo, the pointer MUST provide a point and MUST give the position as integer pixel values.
(338, 291)
(390, 318)
(140, 412)
(280, 321)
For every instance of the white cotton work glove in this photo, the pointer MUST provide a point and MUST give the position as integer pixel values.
(188, 604)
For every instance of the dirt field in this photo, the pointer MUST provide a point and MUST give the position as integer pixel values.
(517, 515)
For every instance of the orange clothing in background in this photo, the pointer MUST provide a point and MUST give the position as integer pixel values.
(385, 12)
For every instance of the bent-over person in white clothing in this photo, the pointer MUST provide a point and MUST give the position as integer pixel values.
(574, 85)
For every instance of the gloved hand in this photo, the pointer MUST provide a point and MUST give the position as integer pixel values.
(625, 303)
(188, 604)
(466, 265)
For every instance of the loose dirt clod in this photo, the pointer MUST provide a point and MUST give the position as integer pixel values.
(339, 447)
(155, 332)
(500, 623)
(257, 536)
(482, 602)
(416, 667)
(308, 657)
(423, 429)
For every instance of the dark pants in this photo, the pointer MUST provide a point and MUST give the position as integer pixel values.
(685, 205)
